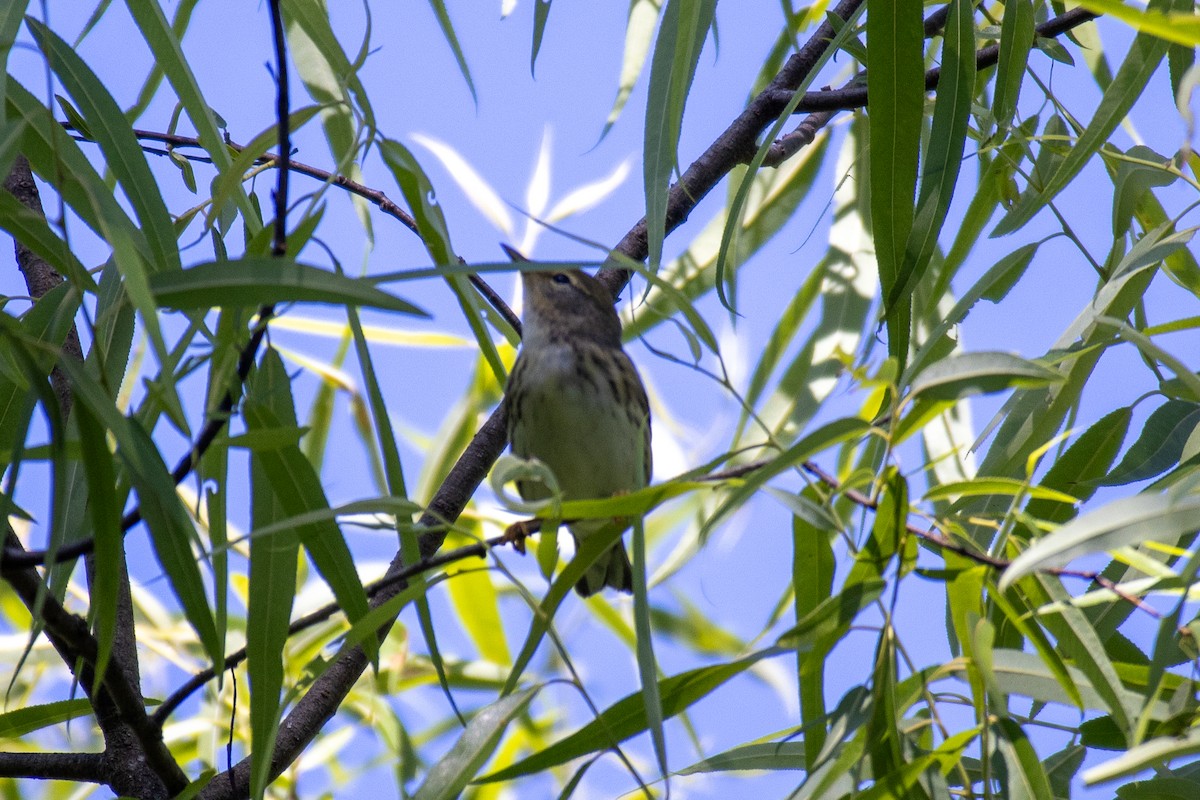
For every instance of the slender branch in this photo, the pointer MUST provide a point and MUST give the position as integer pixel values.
(804, 134)
(283, 122)
(375, 196)
(854, 94)
(943, 542)
(734, 146)
(79, 767)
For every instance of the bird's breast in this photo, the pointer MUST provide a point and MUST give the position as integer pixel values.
(573, 412)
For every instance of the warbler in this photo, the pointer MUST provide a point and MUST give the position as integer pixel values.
(575, 402)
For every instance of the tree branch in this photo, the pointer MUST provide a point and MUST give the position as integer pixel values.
(79, 767)
(125, 746)
(112, 695)
(854, 94)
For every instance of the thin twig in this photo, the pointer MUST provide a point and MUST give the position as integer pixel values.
(854, 94)
(375, 196)
(943, 542)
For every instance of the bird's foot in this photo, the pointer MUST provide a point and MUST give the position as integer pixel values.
(516, 533)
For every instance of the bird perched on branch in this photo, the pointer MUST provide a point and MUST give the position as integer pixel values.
(576, 403)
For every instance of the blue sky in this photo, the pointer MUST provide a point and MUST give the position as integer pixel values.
(416, 89)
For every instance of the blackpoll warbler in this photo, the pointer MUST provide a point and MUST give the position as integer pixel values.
(576, 403)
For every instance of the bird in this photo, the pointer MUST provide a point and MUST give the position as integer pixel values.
(576, 402)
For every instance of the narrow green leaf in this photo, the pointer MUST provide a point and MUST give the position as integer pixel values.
(1032, 417)
(1134, 180)
(57, 159)
(1016, 40)
(165, 43)
(997, 486)
(20, 722)
(74, 118)
(966, 374)
(1145, 755)
(681, 37)
(443, 18)
(1027, 675)
(171, 530)
(1077, 638)
(646, 661)
(883, 727)
(32, 230)
(1024, 774)
(11, 15)
(884, 542)
(385, 613)
(1144, 56)
(1127, 521)
(896, 83)
(297, 490)
(227, 184)
(908, 780)
(627, 717)
(332, 80)
(765, 756)
(122, 152)
(1061, 768)
(273, 564)
(1019, 617)
(847, 285)
(541, 13)
(435, 234)
(944, 151)
(183, 18)
(45, 328)
(828, 622)
(1088, 457)
(393, 470)
(639, 35)
(448, 777)
(1159, 446)
(256, 280)
(813, 567)
(1174, 23)
(105, 514)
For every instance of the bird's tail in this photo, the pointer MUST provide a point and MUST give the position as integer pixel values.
(611, 569)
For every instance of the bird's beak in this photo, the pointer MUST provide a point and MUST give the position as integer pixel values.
(513, 254)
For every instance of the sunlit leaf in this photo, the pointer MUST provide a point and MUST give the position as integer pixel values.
(1127, 521)
(962, 375)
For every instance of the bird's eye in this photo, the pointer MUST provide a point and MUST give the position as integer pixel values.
(561, 277)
